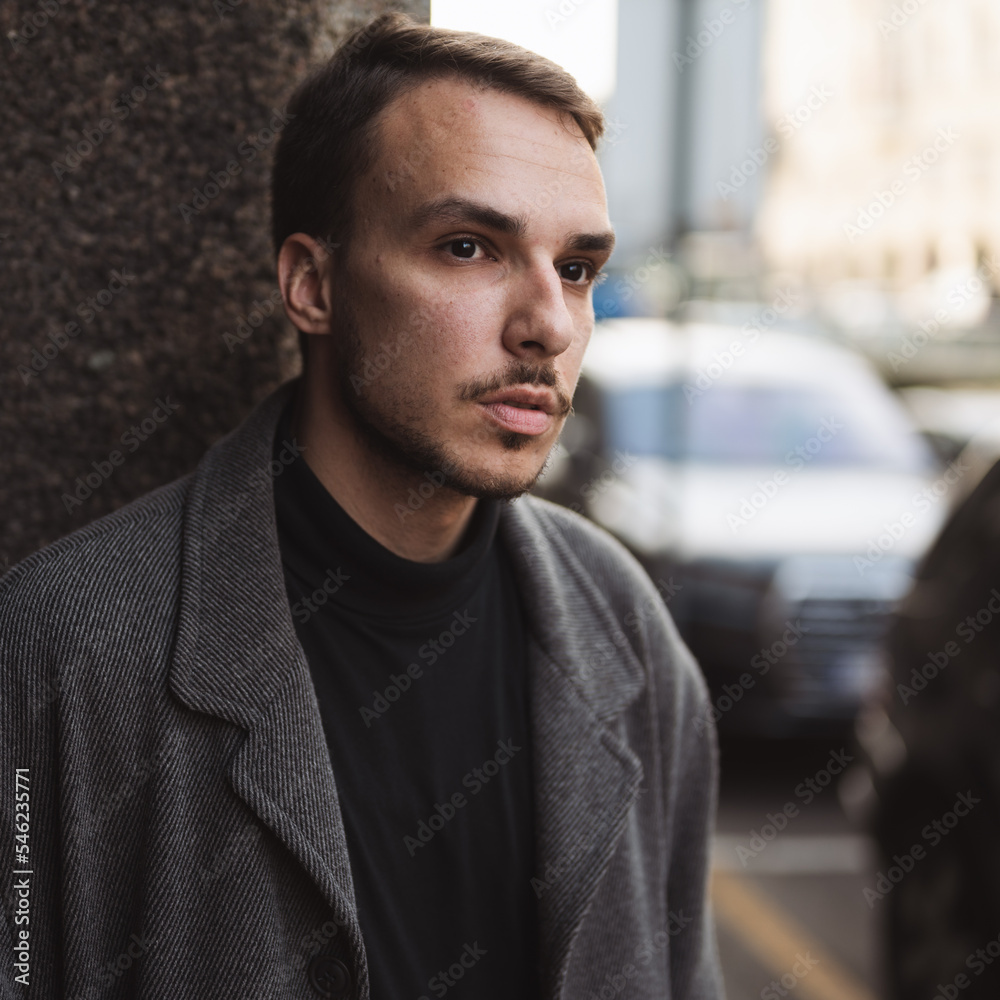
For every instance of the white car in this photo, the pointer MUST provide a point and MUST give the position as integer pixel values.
(776, 491)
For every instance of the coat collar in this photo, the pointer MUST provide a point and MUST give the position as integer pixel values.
(237, 659)
(583, 673)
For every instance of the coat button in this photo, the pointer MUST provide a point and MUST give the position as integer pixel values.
(329, 976)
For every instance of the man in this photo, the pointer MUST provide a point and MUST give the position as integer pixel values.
(331, 716)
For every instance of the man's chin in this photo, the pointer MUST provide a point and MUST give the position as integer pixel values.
(487, 485)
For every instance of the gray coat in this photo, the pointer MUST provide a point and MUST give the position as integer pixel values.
(184, 838)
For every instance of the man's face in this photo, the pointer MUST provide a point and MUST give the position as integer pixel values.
(464, 303)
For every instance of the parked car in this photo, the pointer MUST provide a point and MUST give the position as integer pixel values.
(777, 492)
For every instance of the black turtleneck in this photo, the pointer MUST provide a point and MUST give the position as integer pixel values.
(420, 675)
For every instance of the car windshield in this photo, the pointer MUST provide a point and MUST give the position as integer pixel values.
(764, 425)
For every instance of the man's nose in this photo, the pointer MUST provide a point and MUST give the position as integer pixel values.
(539, 321)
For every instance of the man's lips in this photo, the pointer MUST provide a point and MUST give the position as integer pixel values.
(528, 397)
(523, 409)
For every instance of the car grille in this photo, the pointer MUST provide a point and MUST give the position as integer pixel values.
(837, 660)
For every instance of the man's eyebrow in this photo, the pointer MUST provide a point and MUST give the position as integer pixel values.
(591, 242)
(463, 210)
(459, 210)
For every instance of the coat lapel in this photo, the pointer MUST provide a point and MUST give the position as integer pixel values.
(238, 658)
(586, 778)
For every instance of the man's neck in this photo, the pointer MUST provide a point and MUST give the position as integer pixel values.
(383, 498)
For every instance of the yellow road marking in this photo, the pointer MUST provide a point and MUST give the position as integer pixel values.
(767, 933)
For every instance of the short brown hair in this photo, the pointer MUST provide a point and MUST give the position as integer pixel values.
(331, 139)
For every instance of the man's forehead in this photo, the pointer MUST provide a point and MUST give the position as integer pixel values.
(452, 128)
(454, 114)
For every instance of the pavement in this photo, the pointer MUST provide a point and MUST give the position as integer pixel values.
(789, 871)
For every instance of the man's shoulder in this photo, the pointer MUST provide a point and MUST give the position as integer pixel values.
(101, 560)
(580, 544)
(582, 556)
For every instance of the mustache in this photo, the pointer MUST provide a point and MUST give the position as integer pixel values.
(518, 373)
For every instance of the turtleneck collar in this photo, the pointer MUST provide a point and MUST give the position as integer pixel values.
(321, 543)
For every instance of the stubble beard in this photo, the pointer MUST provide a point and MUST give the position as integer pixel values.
(409, 448)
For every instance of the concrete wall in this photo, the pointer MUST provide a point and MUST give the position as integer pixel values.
(114, 296)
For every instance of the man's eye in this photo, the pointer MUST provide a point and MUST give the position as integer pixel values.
(578, 273)
(463, 248)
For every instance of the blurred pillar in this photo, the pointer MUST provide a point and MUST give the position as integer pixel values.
(138, 297)
(639, 155)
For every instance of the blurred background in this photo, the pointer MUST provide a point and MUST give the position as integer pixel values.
(793, 387)
(789, 411)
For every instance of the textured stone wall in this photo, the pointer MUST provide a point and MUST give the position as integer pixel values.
(134, 166)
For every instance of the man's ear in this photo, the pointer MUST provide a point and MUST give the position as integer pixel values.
(304, 269)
